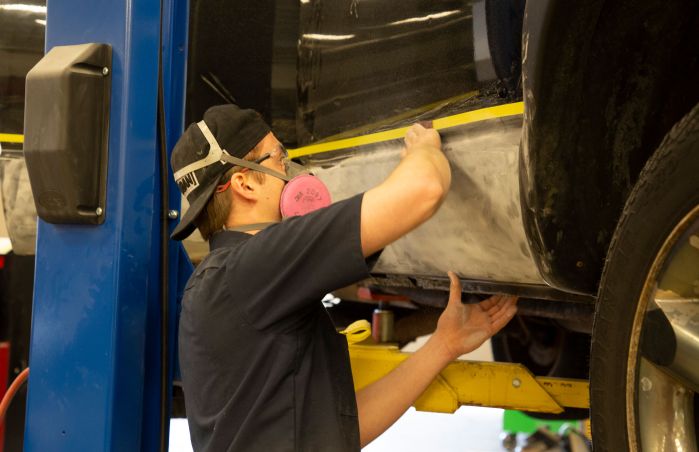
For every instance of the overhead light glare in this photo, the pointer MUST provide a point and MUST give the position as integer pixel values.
(321, 37)
(40, 22)
(38, 9)
(426, 18)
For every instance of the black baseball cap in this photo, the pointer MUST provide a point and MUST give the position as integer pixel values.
(195, 165)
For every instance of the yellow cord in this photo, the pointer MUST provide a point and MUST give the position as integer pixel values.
(357, 331)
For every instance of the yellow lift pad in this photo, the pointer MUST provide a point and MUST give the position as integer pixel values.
(500, 385)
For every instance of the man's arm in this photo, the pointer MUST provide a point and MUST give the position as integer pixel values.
(461, 329)
(410, 195)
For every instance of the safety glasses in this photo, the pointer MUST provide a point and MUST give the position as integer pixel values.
(279, 153)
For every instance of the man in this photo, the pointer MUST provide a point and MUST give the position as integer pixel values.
(262, 364)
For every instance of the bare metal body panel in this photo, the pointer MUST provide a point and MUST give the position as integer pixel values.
(478, 231)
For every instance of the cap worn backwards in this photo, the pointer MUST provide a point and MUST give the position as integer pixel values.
(197, 165)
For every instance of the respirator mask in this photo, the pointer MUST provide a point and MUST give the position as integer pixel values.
(303, 192)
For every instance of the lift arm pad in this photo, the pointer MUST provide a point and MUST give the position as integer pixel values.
(66, 127)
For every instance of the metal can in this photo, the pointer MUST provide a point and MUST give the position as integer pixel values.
(382, 325)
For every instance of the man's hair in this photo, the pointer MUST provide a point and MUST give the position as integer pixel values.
(213, 217)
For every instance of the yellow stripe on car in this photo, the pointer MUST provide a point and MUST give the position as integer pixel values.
(460, 119)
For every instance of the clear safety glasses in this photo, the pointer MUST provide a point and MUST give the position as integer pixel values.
(278, 154)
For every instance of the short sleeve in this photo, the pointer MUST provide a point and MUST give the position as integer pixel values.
(280, 274)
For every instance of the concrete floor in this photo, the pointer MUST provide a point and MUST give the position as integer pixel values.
(472, 429)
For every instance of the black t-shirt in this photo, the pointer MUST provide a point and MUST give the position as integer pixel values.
(263, 367)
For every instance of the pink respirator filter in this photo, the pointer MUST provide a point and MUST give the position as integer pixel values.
(302, 195)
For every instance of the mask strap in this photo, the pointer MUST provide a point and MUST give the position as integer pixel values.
(216, 154)
(253, 166)
(294, 169)
(226, 157)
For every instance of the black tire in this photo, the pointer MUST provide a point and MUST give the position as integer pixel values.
(551, 351)
(667, 190)
(504, 25)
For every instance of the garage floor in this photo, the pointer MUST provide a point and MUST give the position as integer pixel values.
(475, 429)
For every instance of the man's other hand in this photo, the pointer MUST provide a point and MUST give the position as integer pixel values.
(463, 328)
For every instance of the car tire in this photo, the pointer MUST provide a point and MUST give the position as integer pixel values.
(660, 215)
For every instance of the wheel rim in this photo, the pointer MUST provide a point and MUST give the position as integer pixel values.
(663, 367)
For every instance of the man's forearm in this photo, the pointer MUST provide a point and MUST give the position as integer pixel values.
(410, 195)
(381, 403)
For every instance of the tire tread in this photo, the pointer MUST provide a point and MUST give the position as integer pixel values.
(667, 188)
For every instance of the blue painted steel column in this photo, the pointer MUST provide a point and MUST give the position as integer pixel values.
(94, 284)
(174, 57)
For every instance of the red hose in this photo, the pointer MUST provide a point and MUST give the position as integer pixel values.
(10, 394)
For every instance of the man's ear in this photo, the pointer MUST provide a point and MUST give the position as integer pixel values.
(243, 185)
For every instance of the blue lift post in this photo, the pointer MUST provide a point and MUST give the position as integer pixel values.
(94, 383)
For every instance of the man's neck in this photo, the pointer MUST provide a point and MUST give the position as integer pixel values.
(250, 218)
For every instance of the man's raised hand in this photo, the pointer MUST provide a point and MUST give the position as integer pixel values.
(419, 136)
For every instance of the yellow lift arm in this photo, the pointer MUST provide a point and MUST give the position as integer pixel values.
(500, 385)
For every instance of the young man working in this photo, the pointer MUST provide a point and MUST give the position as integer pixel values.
(263, 367)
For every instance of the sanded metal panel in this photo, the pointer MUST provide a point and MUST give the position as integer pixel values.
(94, 283)
(478, 231)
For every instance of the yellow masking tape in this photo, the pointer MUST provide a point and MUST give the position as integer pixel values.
(11, 138)
(483, 114)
